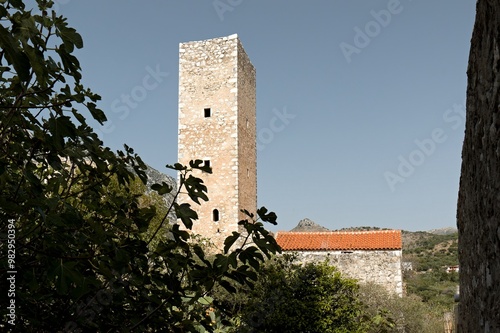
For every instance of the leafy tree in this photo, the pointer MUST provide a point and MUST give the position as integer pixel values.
(83, 255)
(289, 297)
(403, 314)
(434, 287)
(146, 198)
(431, 251)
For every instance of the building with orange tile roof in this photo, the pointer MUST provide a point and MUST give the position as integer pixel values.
(368, 256)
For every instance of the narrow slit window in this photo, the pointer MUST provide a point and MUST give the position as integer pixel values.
(215, 215)
(207, 112)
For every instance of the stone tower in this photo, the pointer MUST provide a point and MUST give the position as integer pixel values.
(217, 124)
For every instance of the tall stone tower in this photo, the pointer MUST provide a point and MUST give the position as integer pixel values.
(217, 124)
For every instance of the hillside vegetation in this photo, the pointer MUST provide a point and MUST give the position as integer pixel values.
(428, 285)
(428, 251)
(430, 255)
(426, 256)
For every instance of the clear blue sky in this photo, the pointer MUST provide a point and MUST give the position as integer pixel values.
(370, 97)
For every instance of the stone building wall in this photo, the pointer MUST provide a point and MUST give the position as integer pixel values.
(478, 214)
(217, 124)
(382, 267)
(247, 137)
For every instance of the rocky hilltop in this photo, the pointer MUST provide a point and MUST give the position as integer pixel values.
(157, 177)
(306, 225)
(444, 231)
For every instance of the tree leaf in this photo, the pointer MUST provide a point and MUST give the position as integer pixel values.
(230, 240)
(206, 300)
(14, 57)
(186, 214)
(70, 36)
(162, 189)
(96, 113)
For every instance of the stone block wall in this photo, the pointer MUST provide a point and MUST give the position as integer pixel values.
(247, 137)
(382, 267)
(478, 214)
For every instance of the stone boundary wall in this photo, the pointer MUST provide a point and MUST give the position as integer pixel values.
(382, 267)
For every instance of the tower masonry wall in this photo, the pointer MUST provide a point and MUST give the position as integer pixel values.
(217, 124)
(247, 140)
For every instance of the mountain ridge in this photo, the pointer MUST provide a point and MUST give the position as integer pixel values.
(308, 225)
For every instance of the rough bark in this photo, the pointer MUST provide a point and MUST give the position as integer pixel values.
(478, 213)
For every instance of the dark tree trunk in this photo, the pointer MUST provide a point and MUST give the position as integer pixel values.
(478, 214)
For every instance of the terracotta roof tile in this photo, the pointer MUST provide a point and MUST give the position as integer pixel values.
(333, 240)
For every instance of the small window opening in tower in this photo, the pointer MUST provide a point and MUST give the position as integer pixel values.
(248, 124)
(248, 172)
(215, 215)
(208, 112)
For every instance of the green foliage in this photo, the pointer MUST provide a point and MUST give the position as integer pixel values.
(432, 252)
(401, 314)
(436, 288)
(89, 249)
(151, 201)
(296, 298)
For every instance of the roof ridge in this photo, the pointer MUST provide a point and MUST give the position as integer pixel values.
(340, 240)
